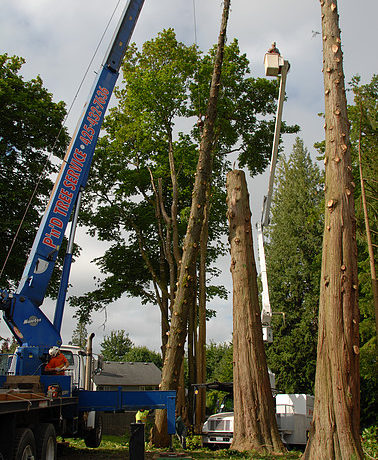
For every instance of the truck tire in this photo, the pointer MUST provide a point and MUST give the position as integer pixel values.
(24, 445)
(93, 436)
(45, 437)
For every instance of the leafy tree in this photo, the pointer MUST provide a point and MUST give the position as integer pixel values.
(143, 355)
(115, 346)
(293, 255)
(143, 174)
(30, 125)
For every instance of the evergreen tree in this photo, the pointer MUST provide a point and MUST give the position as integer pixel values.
(79, 335)
(293, 263)
(363, 116)
(115, 346)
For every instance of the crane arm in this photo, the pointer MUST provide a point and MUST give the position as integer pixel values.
(21, 310)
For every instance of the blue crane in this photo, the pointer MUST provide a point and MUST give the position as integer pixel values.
(34, 332)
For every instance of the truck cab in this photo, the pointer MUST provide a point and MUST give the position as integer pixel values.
(293, 413)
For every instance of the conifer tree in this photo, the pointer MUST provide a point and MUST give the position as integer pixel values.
(293, 263)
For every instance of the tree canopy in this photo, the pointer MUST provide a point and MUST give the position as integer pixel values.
(30, 126)
(133, 200)
(115, 346)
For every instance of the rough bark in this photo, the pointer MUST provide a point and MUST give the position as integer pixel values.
(334, 432)
(255, 426)
(178, 327)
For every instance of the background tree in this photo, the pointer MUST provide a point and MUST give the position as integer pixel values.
(116, 345)
(334, 432)
(143, 355)
(363, 116)
(293, 253)
(79, 335)
(30, 125)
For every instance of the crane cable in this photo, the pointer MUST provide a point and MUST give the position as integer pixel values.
(55, 143)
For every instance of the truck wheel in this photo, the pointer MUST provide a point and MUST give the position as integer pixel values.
(46, 442)
(24, 446)
(93, 436)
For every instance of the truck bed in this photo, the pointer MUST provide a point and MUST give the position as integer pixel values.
(16, 401)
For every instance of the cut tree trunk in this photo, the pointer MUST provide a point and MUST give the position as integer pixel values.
(334, 432)
(255, 426)
(178, 328)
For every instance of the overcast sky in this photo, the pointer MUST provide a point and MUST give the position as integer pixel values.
(58, 40)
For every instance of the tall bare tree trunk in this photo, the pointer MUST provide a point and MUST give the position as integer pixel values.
(334, 432)
(374, 284)
(178, 328)
(255, 425)
(201, 344)
(192, 335)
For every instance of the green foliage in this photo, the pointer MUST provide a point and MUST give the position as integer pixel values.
(143, 355)
(370, 441)
(115, 346)
(293, 265)
(193, 442)
(363, 116)
(219, 368)
(165, 88)
(30, 124)
(219, 362)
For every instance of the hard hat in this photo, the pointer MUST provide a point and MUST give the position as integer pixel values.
(53, 351)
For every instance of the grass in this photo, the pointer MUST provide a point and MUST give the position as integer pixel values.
(117, 447)
(114, 447)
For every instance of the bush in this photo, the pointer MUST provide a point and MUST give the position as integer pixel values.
(370, 441)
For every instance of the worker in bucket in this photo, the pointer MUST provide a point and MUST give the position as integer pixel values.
(58, 363)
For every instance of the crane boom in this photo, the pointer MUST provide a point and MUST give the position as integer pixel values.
(21, 310)
(280, 67)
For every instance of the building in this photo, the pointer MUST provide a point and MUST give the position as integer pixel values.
(128, 376)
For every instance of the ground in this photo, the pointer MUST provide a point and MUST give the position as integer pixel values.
(114, 448)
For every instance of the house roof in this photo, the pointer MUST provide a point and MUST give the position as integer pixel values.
(128, 374)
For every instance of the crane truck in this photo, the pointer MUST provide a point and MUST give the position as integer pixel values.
(36, 406)
(293, 411)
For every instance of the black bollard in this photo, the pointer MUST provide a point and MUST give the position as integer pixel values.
(136, 444)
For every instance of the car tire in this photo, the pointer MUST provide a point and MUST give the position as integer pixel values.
(45, 437)
(93, 436)
(24, 446)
